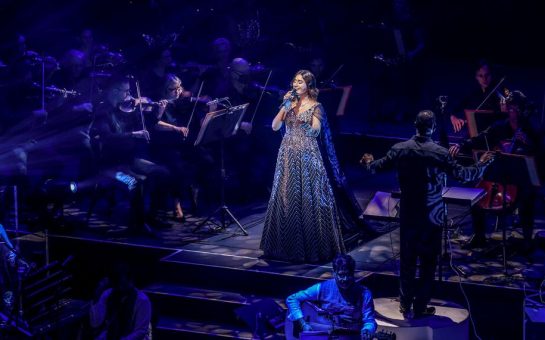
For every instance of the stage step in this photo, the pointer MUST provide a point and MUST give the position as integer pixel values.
(168, 327)
(221, 272)
(225, 283)
(184, 301)
(450, 322)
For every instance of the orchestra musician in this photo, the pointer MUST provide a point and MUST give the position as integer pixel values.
(123, 144)
(480, 97)
(172, 142)
(517, 135)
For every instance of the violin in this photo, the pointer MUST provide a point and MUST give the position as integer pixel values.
(131, 104)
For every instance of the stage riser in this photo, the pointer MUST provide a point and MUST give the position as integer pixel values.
(181, 307)
(492, 308)
(234, 280)
(168, 334)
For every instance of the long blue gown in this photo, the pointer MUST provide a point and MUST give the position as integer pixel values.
(301, 223)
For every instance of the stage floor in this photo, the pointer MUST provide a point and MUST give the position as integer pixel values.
(377, 254)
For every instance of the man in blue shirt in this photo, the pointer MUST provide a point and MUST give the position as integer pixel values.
(343, 303)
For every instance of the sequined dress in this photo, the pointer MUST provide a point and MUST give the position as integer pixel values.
(301, 223)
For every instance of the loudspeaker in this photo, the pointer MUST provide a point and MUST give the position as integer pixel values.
(383, 206)
(534, 317)
(263, 316)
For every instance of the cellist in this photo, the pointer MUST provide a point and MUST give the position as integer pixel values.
(516, 135)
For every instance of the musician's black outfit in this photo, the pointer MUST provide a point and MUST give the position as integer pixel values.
(421, 166)
(121, 154)
(526, 195)
(176, 152)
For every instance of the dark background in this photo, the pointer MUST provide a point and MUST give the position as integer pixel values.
(508, 31)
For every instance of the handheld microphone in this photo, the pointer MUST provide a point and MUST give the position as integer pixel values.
(217, 101)
(293, 95)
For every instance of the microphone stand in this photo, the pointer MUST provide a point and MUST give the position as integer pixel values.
(17, 319)
(443, 136)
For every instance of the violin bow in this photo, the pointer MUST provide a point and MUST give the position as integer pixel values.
(493, 91)
(137, 84)
(195, 105)
(260, 97)
(484, 101)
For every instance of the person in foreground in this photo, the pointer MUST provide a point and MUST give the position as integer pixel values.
(119, 310)
(422, 166)
(301, 223)
(350, 303)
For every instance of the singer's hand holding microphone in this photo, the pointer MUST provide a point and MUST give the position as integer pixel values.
(288, 98)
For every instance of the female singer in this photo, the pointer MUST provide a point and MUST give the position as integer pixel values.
(301, 224)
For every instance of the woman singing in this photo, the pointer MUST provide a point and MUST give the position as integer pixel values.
(301, 224)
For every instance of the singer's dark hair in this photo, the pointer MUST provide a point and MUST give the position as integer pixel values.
(310, 80)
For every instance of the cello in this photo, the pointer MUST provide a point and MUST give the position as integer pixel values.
(496, 193)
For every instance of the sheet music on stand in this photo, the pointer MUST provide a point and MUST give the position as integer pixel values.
(511, 168)
(477, 121)
(218, 124)
(462, 195)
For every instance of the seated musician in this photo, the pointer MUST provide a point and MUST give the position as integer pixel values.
(124, 152)
(514, 135)
(480, 95)
(350, 303)
(171, 143)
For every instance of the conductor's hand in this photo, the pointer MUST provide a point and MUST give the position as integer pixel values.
(454, 150)
(366, 158)
(457, 123)
(487, 157)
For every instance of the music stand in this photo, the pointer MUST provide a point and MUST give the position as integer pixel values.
(458, 195)
(518, 170)
(217, 126)
(479, 120)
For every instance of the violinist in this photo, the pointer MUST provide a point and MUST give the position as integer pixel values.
(122, 141)
(245, 152)
(172, 144)
(480, 96)
(512, 135)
